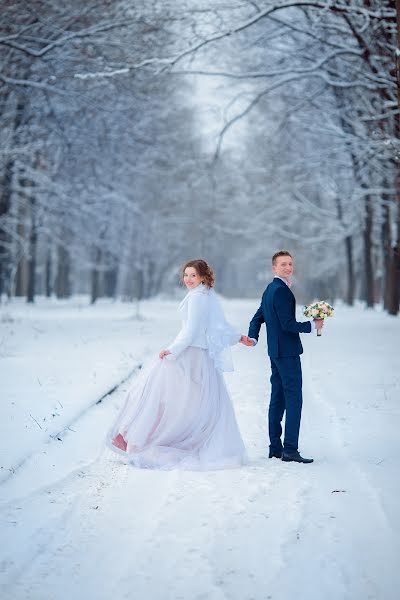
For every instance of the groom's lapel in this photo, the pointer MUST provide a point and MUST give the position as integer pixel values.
(279, 282)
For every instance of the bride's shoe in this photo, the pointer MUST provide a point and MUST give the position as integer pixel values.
(119, 442)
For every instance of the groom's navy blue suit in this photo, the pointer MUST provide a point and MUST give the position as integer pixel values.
(277, 310)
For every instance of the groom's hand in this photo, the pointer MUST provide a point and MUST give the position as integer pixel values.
(246, 341)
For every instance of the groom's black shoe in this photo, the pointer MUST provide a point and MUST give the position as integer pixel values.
(275, 454)
(295, 457)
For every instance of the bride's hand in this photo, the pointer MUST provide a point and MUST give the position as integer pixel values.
(164, 353)
(244, 339)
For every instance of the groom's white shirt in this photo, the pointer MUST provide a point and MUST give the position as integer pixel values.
(287, 283)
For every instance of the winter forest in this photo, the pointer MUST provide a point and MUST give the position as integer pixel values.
(136, 135)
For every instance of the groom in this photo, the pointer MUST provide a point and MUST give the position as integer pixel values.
(277, 311)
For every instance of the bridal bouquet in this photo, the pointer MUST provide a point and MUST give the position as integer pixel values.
(318, 310)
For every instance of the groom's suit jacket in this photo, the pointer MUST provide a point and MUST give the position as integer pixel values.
(278, 311)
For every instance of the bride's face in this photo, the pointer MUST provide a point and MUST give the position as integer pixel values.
(191, 278)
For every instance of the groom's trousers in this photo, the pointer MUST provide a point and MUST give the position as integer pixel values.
(286, 395)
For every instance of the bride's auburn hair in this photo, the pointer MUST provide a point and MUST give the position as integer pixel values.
(203, 269)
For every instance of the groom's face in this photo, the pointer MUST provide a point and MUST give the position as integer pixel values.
(283, 266)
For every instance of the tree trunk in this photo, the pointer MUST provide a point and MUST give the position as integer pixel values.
(385, 240)
(110, 282)
(95, 279)
(48, 271)
(350, 270)
(62, 284)
(348, 244)
(139, 284)
(393, 292)
(368, 270)
(32, 254)
(21, 279)
(5, 200)
(393, 282)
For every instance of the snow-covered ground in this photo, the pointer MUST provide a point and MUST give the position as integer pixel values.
(77, 523)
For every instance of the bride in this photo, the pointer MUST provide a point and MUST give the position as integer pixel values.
(179, 413)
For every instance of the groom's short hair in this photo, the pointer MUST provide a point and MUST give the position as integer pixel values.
(280, 253)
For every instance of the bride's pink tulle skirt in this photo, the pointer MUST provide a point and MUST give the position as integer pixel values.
(179, 414)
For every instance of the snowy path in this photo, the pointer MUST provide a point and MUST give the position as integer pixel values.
(78, 523)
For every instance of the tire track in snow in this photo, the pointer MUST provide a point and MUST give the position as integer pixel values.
(54, 437)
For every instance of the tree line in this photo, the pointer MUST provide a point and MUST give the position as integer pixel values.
(136, 135)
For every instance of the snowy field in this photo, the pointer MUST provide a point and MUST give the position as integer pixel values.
(77, 523)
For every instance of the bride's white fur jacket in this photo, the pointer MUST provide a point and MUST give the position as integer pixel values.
(204, 326)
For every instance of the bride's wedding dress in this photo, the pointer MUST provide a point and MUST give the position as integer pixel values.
(179, 412)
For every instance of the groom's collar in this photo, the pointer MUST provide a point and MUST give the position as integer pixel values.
(282, 279)
(288, 283)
